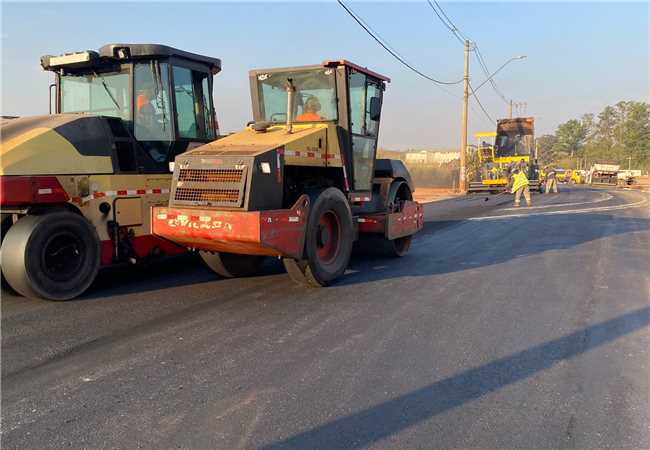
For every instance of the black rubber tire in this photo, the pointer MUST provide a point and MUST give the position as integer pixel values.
(54, 256)
(399, 247)
(318, 272)
(4, 227)
(232, 265)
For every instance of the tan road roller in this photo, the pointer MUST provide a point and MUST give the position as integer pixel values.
(76, 186)
(301, 182)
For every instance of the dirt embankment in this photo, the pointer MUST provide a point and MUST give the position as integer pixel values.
(427, 194)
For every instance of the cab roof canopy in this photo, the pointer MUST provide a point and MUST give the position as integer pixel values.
(345, 62)
(116, 53)
(326, 63)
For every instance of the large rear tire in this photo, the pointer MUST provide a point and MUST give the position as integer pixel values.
(54, 256)
(232, 265)
(328, 241)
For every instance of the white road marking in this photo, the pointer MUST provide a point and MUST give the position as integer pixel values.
(568, 211)
(604, 198)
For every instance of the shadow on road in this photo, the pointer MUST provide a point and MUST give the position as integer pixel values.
(440, 250)
(361, 429)
(183, 270)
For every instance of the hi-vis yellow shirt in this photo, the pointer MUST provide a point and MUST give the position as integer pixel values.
(519, 181)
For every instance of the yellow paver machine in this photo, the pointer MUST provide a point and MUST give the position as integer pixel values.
(513, 143)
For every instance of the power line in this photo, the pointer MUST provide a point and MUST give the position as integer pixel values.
(480, 104)
(483, 65)
(452, 23)
(447, 22)
(458, 34)
(449, 27)
(389, 49)
(396, 54)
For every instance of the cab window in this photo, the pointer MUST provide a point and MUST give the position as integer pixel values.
(208, 117)
(362, 91)
(191, 91)
(152, 111)
(364, 129)
(104, 93)
(314, 99)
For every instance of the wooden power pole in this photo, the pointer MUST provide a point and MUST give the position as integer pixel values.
(462, 181)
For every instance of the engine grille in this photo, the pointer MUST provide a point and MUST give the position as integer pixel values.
(211, 175)
(223, 186)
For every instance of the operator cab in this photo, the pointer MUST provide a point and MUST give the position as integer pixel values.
(515, 137)
(162, 97)
(337, 92)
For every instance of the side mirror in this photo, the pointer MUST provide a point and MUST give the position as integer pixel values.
(375, 108)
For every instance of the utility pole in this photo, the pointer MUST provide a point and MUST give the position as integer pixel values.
(510, 109)
(462, 182)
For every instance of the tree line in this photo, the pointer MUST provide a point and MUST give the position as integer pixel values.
(619, 134)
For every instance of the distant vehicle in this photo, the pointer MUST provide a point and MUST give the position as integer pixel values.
(561, 175)
(575, 177)
(603, 174)
(628, 177)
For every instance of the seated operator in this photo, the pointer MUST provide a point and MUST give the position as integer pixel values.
(145, 113)
(310, 110)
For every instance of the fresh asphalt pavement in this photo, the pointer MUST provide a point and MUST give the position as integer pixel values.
(526, 328)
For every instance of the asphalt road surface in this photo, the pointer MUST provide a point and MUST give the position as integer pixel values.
(525, 328)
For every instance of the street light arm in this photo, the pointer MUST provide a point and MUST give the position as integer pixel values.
(498, 70)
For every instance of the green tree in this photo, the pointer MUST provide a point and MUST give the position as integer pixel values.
(606, 128)
(589, 123)
(571, 136)
(545, 145)
(635, 134)
(618, 132)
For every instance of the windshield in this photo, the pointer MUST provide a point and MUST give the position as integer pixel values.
(514, 144)
(315, 98)
(106, 94)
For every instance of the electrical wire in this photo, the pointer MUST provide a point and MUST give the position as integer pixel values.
(390, 50)
(483, 65)
(448, 23)
(449, 27)
(480, 104)
(397, 56)
(460, 36)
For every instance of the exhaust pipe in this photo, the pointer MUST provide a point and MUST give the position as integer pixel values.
(290, 93)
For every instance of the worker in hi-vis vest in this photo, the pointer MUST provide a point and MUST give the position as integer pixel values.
(551, 181)
(520, 186)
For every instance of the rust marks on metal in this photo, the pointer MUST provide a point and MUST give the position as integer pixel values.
(409, 221)
(271, 233)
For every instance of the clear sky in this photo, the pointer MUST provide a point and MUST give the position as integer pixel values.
(580, 56)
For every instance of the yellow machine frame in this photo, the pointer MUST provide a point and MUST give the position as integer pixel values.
(486, 154)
